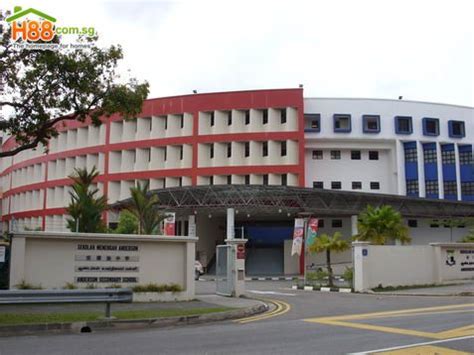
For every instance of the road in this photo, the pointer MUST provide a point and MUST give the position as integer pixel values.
(313, 323)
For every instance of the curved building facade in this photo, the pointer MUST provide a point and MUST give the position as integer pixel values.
(263, 137)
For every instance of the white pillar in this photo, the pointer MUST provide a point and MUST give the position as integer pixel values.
(439, 161)
(354, 229)
(17, 261)
(400, 168)
(361, 266)
(458, 171)
(230, 223)
(192, 226)
(421, 169)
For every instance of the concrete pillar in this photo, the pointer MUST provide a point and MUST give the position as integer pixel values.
(458, 171)
(17, 261)
(354, 229)
(360, 252)
(230, 224)
(192, 226)
(237, 273)
(189, 270)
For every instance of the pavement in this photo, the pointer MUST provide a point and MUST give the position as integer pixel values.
(301, 322)
(465, 287)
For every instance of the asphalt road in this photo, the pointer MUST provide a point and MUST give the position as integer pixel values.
(308, 327)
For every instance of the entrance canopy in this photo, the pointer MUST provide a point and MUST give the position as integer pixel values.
(273, 201)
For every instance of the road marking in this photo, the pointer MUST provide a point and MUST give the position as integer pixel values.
(344, 321)
(281, 308)
(413, 345)
(271, 293)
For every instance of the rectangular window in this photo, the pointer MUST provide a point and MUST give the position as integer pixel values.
(211, 180)
(229, 179)
(265, 149)
(434, 223)
(318, 185)
(247, 149)
(412, 187)
(371, 123)
(247, 117)
(317, 154)
(166, 122)
(467, 188)
(181, 121)
(356, 185)
(375, 185)
(373, 155)
(342, 123)
(448, 157)
(181, 152)
(284, 180)
(312, 122)
(335, 185)
(430, 126)
(211, 118)
(450, 188)
(410, 155)
(180, 181)
(247, 179)
(335, 154)
(336, 223)
(165, 153)
(412, 223)
(355, 154)
(283, 149)
(283, 115)
(429, 156)
(403, 125)
(211, 150)
(465, 158)
(265, 179)
(320, 223)
(456, 129)
(264, 116)
(431, 187)
(229, 118)
(229, 150)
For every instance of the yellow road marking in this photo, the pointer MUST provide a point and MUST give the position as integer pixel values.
(423, 350)
(281, 308)
(422, 313)
(343, 321)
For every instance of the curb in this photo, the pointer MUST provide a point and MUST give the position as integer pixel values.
(86, 327)
(289, 278)
(459, 294)
(322, 289)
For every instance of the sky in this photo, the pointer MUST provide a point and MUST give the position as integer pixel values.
(422, 50)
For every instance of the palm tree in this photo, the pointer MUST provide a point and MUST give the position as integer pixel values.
(85, 207)
(143, 207)
(329, 243)
(381, 224)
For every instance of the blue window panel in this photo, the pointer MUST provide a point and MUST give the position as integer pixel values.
(408, 145)
(451, 197)
(448, 161)
(403, 124)
(430, 126)
(468, 197)
(371, 123)
(447, 147)
(411, 171)
(342, 123)
(432, 196)
(466, 167)
(431, 171)
(430, 161)
(449, 172)
(456, 129)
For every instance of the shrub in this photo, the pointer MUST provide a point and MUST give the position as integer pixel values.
(91, 286)
(319, 275)
(114, 286)
(23, 285)
(69, 286)
(348, 274)
(152, 287)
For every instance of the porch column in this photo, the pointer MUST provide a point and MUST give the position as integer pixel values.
(230, 224)
(354, 229)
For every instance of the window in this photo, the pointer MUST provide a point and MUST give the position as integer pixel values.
(356, 185)
(355, 154)
(211, 150)
(434, 224)
(247, 117)
(373, 155)
(335, 185)
(318, 185)
(317, 154)
(181, 121)
(336, 223)
(229, 179)
(431, 187)
(247, 149)
(166, 122)
(283, 149)
(264, 116)
(412, 187)
(320, 223)
(283, 115)
(335, 154)
(265, 179)
(465, 157)
(342, 123)
(456, 129)
(467, 188)
(410, 155)
(211, 180)
(371, 123)
(181, 152)
(229, 150)
(430, 126)
(284, 180)
(211, 118)
(265, 149)
(450, 188)
(412, 223)
(448, 157)
(429, 156)
(375, 185)
(312, 122)
(180, 181)
(229, 118)
(403, 125)
(165, 154)
(247, 179)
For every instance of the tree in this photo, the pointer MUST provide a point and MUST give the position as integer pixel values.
(381, 224)
(329, 243)
(128, 223)
(41, 88)
(86, 207)
(143, 207)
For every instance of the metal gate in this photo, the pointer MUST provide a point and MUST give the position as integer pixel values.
(224, 268)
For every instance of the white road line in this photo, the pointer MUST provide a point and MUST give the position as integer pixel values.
(413, 345)
(271, 293)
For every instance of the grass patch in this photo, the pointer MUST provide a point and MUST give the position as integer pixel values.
(381, 288)
(151, 287)
(33, 318)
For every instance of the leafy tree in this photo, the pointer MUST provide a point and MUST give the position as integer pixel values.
(86, 207)
(329, 243)
(128, 223)
(381, 224)
(143, 207)
(41, 88)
